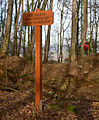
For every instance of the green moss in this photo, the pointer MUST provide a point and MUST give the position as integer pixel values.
(63, 87)
(48, 83)
(71, 109)
(2, 67)
(52, 106)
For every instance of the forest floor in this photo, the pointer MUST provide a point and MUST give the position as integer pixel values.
(70, 92)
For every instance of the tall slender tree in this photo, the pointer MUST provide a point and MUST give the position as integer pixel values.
(61, 33)
(47, 44)
(4, 50)
(15, 41)
(20, 34)
(73, 39)
(82, 38)
(91, 30)
(96, 27)
(24, 41)
(85, 18)
(1, 24)
(44, 4)
(77, 27)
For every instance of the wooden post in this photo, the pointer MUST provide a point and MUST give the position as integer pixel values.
(38, 67)
(38, 19)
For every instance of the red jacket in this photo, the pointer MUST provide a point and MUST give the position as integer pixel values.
(86, 46)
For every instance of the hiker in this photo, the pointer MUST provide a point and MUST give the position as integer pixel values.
(86, 47)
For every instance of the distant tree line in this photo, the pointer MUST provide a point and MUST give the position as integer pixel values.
(85, 23)
(78, 22)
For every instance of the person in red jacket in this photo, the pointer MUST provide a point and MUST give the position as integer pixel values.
(86, 47)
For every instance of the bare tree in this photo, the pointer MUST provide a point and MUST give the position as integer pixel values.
(96, 27)
(85, 18)
(4, 50)
(91, 29)
(20, 34)
(77, 27)
(73, 39)
(81, 29)
(47, 44)
(15, 41)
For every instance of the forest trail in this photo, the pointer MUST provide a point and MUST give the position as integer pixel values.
(65, 97)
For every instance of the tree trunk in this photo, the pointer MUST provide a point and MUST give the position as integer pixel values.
(20, 35)
(28, 32)
(24, 49)
(15, 44)
(44, 4)
(91, 31)
(47, 45)
(82, 39)
(96, 27)
(58, 56)
(1, 26)
(3, 23)
(85, 18)
(61, 37)
(4, 50)
(77, 27)
(73, 36)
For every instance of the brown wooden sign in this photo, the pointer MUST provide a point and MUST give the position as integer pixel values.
(38, 18)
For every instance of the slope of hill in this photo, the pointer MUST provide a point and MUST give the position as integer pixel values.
(66, 96)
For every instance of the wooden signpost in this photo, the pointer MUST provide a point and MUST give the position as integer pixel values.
(38, 19)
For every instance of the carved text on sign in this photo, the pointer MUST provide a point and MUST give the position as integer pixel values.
(38, 18)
